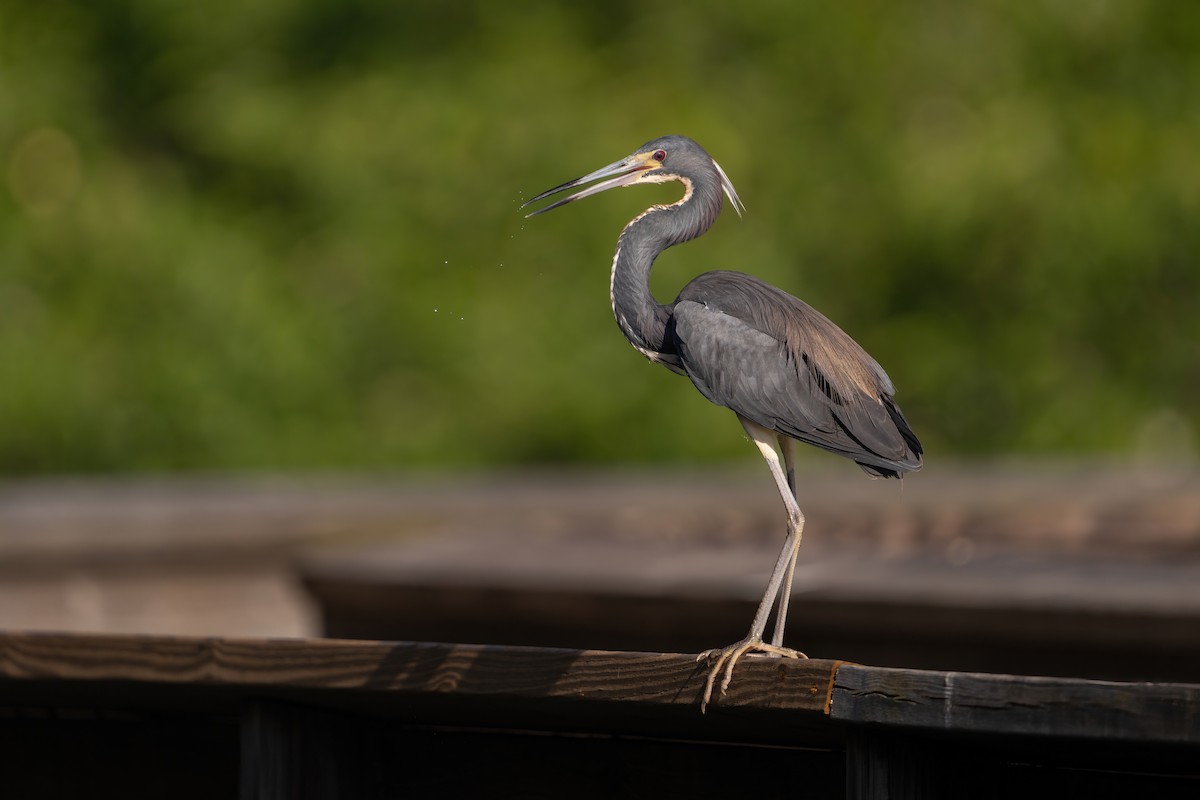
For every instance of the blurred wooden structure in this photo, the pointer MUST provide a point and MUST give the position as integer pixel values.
(1092, 574)
(148, 717)
(963, 583)
(1116, 548)
(1089, 618)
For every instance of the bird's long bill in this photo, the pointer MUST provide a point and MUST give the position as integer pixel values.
(626, 171)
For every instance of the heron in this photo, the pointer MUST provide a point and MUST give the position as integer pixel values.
(786, 371)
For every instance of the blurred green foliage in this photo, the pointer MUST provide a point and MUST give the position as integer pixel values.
(284, 234)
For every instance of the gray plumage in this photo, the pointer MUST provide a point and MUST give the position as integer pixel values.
(779, 364)
(782, 364)
(746, 345)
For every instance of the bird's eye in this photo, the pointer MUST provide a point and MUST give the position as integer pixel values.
(659, 155)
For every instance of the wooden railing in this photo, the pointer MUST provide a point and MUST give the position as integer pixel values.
(139, 716)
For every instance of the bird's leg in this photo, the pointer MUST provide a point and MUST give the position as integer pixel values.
(726, 658)
(785, 590)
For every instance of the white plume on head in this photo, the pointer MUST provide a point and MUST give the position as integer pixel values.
(730, 192)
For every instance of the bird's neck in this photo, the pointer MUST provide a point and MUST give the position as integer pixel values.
(642, 318)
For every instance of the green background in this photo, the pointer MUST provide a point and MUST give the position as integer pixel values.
(285, 234)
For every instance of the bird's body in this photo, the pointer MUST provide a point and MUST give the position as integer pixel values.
(788, 372)
(764, 354)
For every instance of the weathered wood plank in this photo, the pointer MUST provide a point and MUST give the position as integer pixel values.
(513, 673)
(1011, 704)
(299, 752)
(881, 765)
(291, 751)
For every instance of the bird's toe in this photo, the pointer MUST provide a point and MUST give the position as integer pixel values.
(724, 659)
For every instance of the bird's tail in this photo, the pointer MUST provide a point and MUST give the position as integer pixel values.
(896, 467)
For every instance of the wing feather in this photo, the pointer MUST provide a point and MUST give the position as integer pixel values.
(780, 363)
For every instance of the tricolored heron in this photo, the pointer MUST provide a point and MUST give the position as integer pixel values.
(785, 370)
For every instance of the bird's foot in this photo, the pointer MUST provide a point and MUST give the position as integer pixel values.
(724, 658)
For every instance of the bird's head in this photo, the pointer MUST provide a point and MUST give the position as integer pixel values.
(668, 158)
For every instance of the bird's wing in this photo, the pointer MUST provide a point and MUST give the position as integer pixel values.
(776, 361)
(736, 365)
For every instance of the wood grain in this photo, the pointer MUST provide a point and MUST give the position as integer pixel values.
(393, 678)
(1012, 704)
(515, 673)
